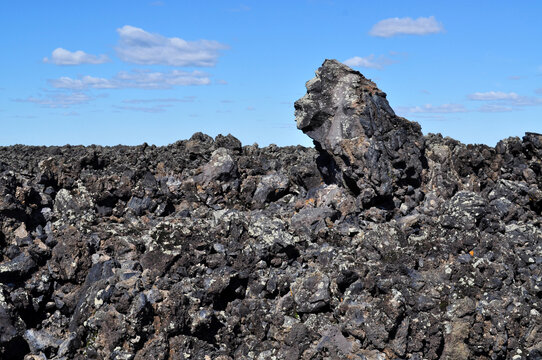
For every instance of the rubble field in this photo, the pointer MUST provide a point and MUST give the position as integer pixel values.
(379, 243)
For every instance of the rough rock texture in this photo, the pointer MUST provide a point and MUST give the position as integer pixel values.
(362, 143)
(380, 243)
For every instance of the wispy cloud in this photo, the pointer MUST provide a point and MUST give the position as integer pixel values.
(538, 91)
(495, 108)
(432, 109)
(504, 98)
(251, 108)
(59, 100)
(493, 95)
(406, 26)
(141, 79)
(185, 99)
(62, 56)
(157, 3)
(370, 62)
(514, 77)
(141, 47)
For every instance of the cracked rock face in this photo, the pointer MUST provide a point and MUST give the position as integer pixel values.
(361, 141)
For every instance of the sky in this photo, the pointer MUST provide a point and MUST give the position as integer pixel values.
(129, 72)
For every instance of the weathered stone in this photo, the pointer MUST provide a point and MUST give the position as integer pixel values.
(363, 144)
(17, 269)
(270, 188)
(311, 293)
(220, 167)
(41, 341)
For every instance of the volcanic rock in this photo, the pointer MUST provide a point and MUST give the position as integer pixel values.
(378, 243)
(362, 143)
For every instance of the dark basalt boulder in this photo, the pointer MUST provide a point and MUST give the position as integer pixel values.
(362, 143)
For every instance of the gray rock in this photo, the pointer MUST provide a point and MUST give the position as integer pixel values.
(464, 210)
(41, 341)
(311, 293)
(16, 269)
(366, 145)
(7, 329)
(270, 188)
(220, 167)
(312, 219)
(138, 205)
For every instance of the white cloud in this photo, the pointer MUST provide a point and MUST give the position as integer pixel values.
(407, 26)
(493, 95)
(432, 109)
(59, 100)
(141, 47)
(504, 98)
(84, 82)
(62, 56)
(495, 108)
(141, 79)
(369, 62)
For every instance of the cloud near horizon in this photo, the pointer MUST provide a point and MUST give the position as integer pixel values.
(432, 109)
(62, 56)
(141, 47)
(493, 95)
(503, 98)
(406, 26)
(370, 62)
(59, 100)
(136, 79)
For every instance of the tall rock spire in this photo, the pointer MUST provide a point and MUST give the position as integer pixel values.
(363, 144)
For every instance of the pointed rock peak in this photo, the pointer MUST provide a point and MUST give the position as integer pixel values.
(332, 68)
(363, 144)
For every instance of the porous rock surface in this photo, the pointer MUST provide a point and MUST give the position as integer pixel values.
(379, 243)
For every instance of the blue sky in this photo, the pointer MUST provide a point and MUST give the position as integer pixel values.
(128, 72)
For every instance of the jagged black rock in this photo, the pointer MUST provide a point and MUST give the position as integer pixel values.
(379, 243)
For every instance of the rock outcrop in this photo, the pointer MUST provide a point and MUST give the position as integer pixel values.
(380, 243)
(362, 143)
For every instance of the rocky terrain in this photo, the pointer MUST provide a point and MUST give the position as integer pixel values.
(380, 243)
